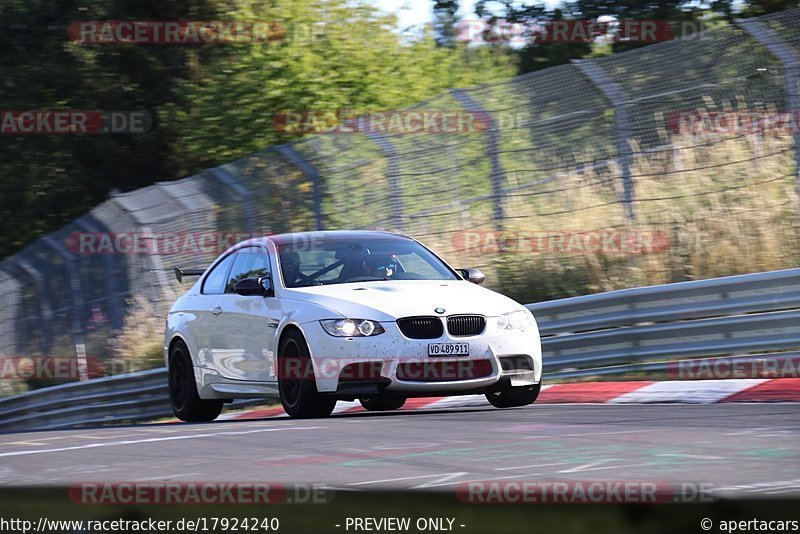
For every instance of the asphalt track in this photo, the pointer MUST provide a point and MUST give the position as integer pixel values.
(740, 449)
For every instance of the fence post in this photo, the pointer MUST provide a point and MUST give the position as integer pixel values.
(791, 67)
(310, 171)
(44, 308)
(10, 296)
(76, 303)
(392, 172)
(618, 99)
(247, 203)
(492, 150)
(114, 309)
(190, 213)
(155, 259)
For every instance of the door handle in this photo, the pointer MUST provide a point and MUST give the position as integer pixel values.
(216, 310)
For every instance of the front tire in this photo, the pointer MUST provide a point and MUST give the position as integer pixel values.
(296, 382)
(186, 403)
(513, 397)
(382, 404)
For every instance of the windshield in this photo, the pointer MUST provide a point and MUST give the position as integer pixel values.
(340, 261)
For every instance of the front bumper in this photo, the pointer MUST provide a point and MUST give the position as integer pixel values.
(399, 365)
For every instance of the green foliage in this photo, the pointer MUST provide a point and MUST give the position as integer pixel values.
(47, 180)
(444, 21)
(211, 104)
(756, 8)
(353, 62)
(686, 17)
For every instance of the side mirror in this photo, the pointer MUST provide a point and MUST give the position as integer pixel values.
(475, 276)
(251, 287)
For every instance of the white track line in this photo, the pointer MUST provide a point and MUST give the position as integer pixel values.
(152, 440)
(442, 476)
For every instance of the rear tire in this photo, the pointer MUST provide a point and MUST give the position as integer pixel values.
(296, 382)
(382, 404)
(186, 403)
(513, 397)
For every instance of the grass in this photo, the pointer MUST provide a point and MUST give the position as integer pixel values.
(725, 207)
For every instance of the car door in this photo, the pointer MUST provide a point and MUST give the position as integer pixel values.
(206, 306)
(242, 338)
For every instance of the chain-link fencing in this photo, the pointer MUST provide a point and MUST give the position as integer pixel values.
(671, 162)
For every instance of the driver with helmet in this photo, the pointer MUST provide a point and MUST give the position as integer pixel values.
(383, 266)
(290, 266)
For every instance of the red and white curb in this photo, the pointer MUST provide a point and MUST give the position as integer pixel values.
(633, 392)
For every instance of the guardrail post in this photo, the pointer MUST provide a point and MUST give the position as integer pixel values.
(310, 171)
(618, 99)
(492, 150)
(791, 66)
(392, 173)
(247, 203)
(76, 304)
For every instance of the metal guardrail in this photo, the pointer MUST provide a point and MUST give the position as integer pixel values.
(716, 297)
(132, 397)
(730, 315)
(605, 334)
(744, 366)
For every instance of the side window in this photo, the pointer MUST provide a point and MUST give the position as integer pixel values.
(250, 262)
(214, 283)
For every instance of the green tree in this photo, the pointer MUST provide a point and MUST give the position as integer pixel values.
(210, 103)
(46, 180)
(683, 15)
(444, 21)
(354, 60)
(755, 8)
(535, 54)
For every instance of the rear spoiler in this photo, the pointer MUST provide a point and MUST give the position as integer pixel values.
(180, 273)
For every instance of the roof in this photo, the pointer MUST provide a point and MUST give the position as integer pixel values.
(303, 237)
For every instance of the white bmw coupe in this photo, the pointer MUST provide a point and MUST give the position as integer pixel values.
(316, 317)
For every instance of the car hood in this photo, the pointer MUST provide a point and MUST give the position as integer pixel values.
(387, 301)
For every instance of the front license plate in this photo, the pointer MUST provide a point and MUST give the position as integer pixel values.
(448, 349)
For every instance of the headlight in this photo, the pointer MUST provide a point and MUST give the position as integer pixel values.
(352, 327)
(515, 320)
